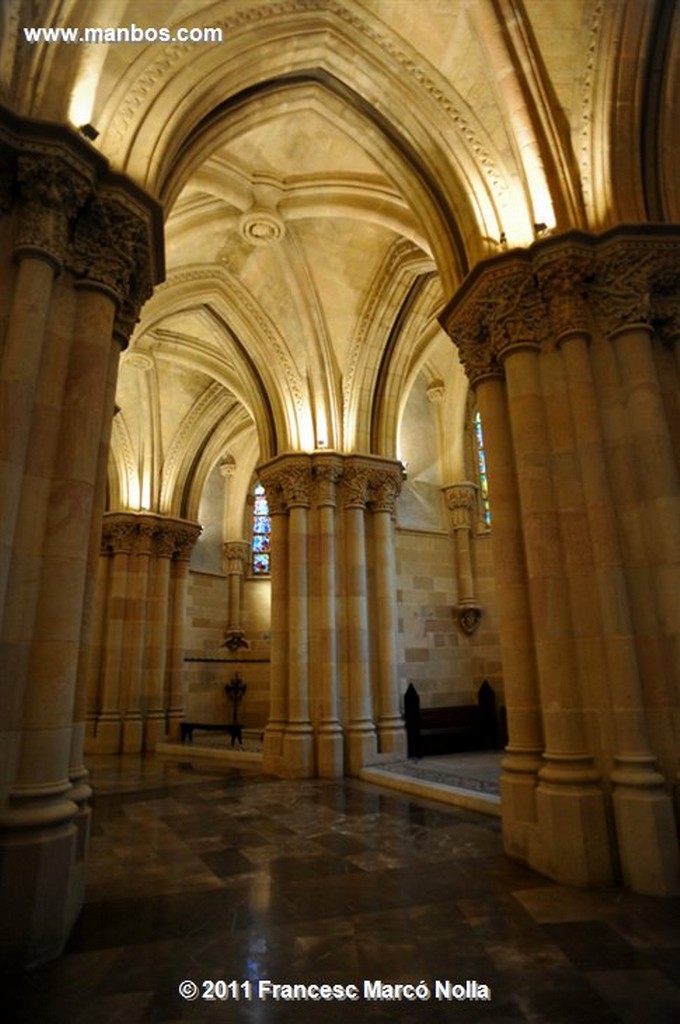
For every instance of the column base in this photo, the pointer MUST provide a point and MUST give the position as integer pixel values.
(175, 716)
(646, 829)
(133, 733)
(154, 729)
(572, 842)
(40, 891)
(392, 736)
(272, 749)
(106, 738)
(519, 778)
(298, 751)
(330, 760)
(361, 746)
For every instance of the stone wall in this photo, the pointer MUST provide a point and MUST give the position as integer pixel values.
(445, 665)
(209, 665)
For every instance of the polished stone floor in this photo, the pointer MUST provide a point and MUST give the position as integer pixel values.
(200, 874)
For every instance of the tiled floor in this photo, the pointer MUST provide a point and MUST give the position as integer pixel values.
(226, 874)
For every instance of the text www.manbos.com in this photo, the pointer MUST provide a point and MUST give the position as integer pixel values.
(123, 34)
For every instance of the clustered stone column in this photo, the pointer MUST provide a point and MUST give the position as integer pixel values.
(335, 701)
(134, 683)
(80, 248)
(461, 501)
(563, 343)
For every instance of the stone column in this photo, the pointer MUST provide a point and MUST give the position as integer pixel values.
(523, 754)
(626, 306)
(298, 741)
(50, 188)
(157, 634)
(360, 734)
(272, 753)
(118, 540)
(134, 636)
(327, 471)
(186, 535)
(236, 555)
(566, 333)
(91, 625)
(576, 845)
(384, 489)
(105, 230)
(461, 502)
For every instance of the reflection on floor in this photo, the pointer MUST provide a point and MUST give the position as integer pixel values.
(226, 874)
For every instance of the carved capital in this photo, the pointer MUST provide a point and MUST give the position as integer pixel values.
(227, 467)
(51, 190)
(354, 489)
(148, 534)
(237, 553)
(564, 278)
(384, 489)
(272, 481)
(327, 473)
(186, 535)
(296, 483)
(435, 392)
(460, 501)
(119, 534)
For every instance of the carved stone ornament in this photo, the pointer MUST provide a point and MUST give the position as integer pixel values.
(148, 534)
(236, 640)
(51, 191)
(384, 489)
(562, 284)
(460, 501)
(564, 278)
(469, 617)
(296, 482)
(237, 552)
(355, 485)
(262, 227)
(327, 473)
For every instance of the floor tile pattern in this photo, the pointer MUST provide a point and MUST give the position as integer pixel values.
(228, 874)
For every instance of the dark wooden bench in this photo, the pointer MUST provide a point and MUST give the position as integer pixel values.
(186, 730)
(453, 729)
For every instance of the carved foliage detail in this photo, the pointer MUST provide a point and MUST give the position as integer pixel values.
(142, 534)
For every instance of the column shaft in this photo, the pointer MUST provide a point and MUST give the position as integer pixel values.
(525, 731)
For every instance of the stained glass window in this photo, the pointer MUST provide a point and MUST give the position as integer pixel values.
(261, 532)
(481, 470)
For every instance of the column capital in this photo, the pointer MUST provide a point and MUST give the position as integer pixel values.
(327, 471)
(461, 500)
(559, 285)
(78, 213)
(148, 533)
(563, 277)
(237, 553)
(52, 189)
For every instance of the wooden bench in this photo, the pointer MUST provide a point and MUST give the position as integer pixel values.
(186, 730)
(453, 729)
